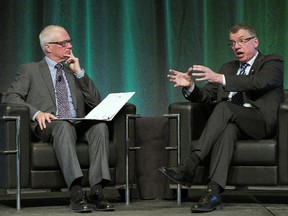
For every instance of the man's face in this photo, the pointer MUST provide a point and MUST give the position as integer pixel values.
(243, 45)
(56, 51)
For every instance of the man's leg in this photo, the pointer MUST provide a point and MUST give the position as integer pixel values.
(221, 155)
(226, 124)
(97, 137)
(248, 120)
(230, 122)
(63, 136)
(98, 140)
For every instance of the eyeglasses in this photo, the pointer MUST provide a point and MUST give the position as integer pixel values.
(241, 42)
(62, 43)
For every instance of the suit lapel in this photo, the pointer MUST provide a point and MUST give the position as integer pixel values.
(45, 72)
(235, 67)
(223, 95)
(257, 63)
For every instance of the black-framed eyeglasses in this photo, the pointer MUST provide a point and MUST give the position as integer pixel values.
(241, 42)
(62, 43)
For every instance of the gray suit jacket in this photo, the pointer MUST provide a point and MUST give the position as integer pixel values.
(34, 88)
(263, 87)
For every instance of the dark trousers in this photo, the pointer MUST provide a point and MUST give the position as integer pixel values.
(227, 123)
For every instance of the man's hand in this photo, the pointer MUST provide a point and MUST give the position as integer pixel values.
(73, 62)
(42, 117)
(206, 74)
(180, 78)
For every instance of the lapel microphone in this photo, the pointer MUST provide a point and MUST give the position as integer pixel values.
(59, 78)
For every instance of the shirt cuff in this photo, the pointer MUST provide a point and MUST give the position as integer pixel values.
(224, 80)
(34, 116)
(188, 91)
(80, 74)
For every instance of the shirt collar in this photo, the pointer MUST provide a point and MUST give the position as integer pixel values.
(51, 63)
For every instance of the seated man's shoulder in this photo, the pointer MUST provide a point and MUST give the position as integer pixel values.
(274, 57)
(30, 64)
(30, 68)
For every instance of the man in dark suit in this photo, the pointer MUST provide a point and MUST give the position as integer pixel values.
(52, 91)
(247, 93)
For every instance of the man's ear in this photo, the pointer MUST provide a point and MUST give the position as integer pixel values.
(47, 48)
(256, 42)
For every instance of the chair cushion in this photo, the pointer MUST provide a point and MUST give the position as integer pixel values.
(44, 158)
(255, 152)
(252, 153)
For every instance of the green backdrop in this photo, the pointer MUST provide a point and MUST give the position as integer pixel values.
(129, 45)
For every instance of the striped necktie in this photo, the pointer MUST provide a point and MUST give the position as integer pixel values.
(238, 97)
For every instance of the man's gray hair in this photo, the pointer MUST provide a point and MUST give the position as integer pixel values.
(46, 35)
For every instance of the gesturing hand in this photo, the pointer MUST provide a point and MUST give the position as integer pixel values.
(206, 74)
(180, 78)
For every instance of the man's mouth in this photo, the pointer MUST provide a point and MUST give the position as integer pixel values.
(240, 54)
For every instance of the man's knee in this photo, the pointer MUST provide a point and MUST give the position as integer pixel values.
(224, 105)
(64, 126)
(100, 129)
(225, 108)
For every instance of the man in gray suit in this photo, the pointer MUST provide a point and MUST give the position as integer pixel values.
(246, 93)
(37, 86)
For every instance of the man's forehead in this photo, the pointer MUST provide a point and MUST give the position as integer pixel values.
(240, 34)
(60, 33)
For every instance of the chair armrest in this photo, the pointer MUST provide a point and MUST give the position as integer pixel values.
(119, 139)
(283, 143)
(7, 142)
(193, 118)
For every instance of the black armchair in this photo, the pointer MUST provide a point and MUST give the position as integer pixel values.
(39, 166)
(255, 162)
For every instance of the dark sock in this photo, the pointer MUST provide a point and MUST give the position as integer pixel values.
(214, 187)
(75, 186)
(96, 188)
(192, 162)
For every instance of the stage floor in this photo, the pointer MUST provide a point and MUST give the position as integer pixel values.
(236, 203)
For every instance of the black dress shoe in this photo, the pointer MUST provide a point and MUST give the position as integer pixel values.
(99, 202)
(79, 204)
(207, 203)
(178, 174)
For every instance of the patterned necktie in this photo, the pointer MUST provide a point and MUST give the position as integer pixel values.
(62, 93)
(238, 97)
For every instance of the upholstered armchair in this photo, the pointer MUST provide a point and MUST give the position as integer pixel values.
(39, 167)
(255, 162)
